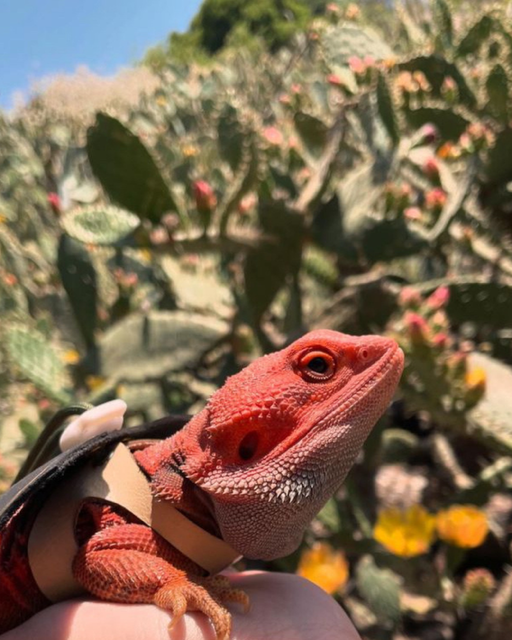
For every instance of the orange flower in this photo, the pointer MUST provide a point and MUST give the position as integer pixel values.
(475, 379)
(405, 533)
(71, 356)
(324, 566)
(462, 526)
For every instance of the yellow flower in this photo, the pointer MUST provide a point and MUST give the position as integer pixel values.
(324, 566)
(71, 356)
(94, 382)
(475, 379)
(161, 101)
(189, 150)
(463, 526)
(405, 533)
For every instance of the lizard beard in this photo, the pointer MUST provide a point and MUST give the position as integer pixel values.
(264, 517)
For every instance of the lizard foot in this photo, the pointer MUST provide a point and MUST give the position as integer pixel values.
(207, 595)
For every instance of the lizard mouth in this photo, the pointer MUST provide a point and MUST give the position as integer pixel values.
(386, 373)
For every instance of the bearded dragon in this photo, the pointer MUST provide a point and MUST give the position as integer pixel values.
(253, 468)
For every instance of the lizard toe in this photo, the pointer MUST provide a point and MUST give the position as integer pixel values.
(223, 590)
(190, 596)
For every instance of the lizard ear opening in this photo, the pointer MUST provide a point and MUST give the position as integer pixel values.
(248, 445)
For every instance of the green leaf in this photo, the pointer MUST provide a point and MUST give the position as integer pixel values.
(312, 131)
(436, 69)
(29, 430)
(443, 17)
(387, 111)
(268, 266)
(127, 170)
(38, 361)
(499, 168)
(497, 87)
(380, 588)
(450, 124)
(100, 225)
(148, 347)
(471, 42)
(79, 279)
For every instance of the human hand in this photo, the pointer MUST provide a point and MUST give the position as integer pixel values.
(283, 606)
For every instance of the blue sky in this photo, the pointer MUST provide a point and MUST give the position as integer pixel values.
(42, 37)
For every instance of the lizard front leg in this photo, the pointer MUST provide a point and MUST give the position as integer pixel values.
(132, 563)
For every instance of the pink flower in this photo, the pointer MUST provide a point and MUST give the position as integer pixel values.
(54, 201)
(429, 133)
(417, 327)
(335, 80)
(273, 136)
(435, 199)
(409, 296)
(439, 298)
(431, 168)
(357, 65)
(206, 200)
(413, 213)
(441, 340)
(247, 203)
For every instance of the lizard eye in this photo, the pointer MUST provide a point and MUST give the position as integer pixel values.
(316, 366)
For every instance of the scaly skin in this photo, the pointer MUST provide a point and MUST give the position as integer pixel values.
(254, 467)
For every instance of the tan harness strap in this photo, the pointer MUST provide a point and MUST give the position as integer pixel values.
(52, 545)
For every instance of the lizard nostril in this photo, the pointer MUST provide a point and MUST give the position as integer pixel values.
(363, 354)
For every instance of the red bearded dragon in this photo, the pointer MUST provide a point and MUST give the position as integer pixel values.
(253, 468)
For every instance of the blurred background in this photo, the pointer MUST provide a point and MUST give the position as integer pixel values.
(183, 190)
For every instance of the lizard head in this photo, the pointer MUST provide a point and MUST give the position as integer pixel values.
(277, 440)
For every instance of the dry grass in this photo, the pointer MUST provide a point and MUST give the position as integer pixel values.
(80, 95)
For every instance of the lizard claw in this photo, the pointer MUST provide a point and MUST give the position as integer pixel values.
(207, 595)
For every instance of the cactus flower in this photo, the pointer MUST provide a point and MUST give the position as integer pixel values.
(435, 199)
(273, 136)
(477, 586)
(431, 168)
(10, 279)
(247, 203)
(405, 82)
(476, 378)
(421, 80)
(206, 200)
(405, 533)
(357, 65)
(324, 566)
(439, 298)
(417, 327)
(334, 80)
(413, 213)
(449, 89)
(409, 297)
(428, 133)
(54, 202)
(441, 340)
(462, 526)
(332, 7)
